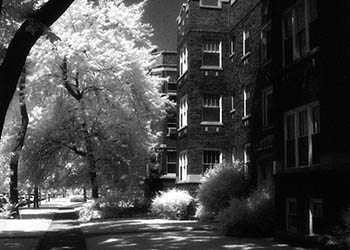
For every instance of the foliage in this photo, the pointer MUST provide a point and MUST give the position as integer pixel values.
(108, 53)
(172, 204)
(219, 185)
(252, 216)
(107, 208)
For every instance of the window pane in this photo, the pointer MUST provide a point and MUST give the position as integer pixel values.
(287, 38)
(303, 151)
(290, 153)
(211, 59)
(290, 127)
(315, 120)
(210, 2)
(303, 130)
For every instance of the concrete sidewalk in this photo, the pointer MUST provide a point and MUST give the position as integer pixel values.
(28, 233)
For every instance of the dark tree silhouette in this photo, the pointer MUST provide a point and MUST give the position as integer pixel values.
(29, 32)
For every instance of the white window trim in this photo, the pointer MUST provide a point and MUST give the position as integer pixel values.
(183, 112)
(265, 93)
(295, 112)
(288, 200)
(183, 60)
(219, 5)
(245, 157)
(311, 229)
(264, 29)
(220, 57)
(307, 31)
(220, 115)
(245, 37)
(183, 166)
(211, 149)
(245, 99)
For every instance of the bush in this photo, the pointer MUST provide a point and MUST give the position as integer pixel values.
(219, 185)
(252, 216)
(90, 211)
(104, 208)
(172, 204)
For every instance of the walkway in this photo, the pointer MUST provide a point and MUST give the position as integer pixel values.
(54, 227)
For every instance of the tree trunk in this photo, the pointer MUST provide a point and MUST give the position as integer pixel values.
(78, 96)
(84, 193)
(36, 197)
(19, 48)
(19, 142)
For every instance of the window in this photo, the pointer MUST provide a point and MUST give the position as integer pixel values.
(266, 47)
(291, 215)
(232, 45)
(183, 109)
(171, 162)
(183, 60)
(211, 3)
(316, 216)
(183, 162)
(246, 104)
(212, 108)
(246, 42)
(267, 107)
(171, 87)
(171, 128)
(210, 158)
(299, 29)
(211, 54)
(302, 136)
(246, 157)
(233, 155)
(233, 101)
(264, 170)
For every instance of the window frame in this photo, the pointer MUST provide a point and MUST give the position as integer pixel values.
(296, 134)
(214, 107)
(183, 60)
(183, 112)
(265, 120)
(246, 36)
(170, 162)
(311, 214)
(204, 51)
(247, 154)
(183, 166)
(307, 21)
(246, 98)
(294, 228)
(264, 44)
(207, 165)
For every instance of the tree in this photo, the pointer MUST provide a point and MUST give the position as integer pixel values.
(17, 51)
(100, 59)
(15, 154)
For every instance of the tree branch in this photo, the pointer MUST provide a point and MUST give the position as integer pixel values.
(19, 48)
(74, 93)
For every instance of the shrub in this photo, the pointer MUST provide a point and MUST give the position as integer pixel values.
(252, 216)
(172, 204)
(90, 211)
(219, 185)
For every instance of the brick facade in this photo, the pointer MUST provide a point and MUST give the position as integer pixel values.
(286, 78)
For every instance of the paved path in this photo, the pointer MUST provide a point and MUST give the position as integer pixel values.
(63, 233)
(54, 227)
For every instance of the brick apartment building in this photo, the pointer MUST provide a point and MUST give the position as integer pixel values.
(164, 162)
(257, 78)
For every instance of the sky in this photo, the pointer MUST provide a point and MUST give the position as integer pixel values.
(162, 14)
